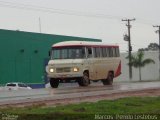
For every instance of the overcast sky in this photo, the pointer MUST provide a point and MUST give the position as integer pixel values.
(99, 19)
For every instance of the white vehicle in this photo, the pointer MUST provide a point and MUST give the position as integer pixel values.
(83, 61)
(17, 86)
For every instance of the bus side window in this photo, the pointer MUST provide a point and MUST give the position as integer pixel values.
(114, 52)
(109, 55)
(89, 54)
(94, 52)
(83, 53)
(103, 52)
(117, 51)
(100, 50)
(97, 52)
(107, 52)
(110, 52)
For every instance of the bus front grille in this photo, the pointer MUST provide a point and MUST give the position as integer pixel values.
(61, 70)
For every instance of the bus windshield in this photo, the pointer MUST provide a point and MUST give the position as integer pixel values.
(68, 53)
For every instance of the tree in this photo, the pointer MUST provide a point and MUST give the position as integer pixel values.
(151, 47)
(138, 61)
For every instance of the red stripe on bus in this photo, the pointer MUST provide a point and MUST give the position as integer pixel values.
(118, 71)
(114, 46)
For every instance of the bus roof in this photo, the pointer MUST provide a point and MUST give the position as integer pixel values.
(81, 43)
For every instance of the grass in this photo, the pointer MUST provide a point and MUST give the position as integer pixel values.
(87, 111)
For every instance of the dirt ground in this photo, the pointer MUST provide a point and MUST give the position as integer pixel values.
(139, 93)
(55, 102)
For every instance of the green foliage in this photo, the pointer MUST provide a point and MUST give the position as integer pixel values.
(87, 111)
(138, 61)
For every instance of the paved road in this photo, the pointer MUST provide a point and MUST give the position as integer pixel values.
(72, 89)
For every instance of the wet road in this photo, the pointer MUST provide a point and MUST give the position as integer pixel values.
(72, 90)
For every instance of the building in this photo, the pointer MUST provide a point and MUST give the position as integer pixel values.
(23, 55)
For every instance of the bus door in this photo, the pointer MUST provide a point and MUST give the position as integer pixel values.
(90, 62)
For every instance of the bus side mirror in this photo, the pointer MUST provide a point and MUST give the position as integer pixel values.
(49, 53)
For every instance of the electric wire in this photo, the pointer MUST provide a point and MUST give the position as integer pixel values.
(67, 12)
(58, 11)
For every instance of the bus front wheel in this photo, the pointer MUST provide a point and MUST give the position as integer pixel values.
(84, 81)
(109, 80)
(54, 83)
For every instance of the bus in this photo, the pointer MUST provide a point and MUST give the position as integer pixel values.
(83, 62)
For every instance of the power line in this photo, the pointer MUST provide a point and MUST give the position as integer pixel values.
(145, 21)
(58, 11)
(65, 12)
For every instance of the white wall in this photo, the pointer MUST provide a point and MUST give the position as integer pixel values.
(149, 72)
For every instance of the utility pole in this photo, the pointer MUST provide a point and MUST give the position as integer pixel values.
(158, 31)
(128, 38)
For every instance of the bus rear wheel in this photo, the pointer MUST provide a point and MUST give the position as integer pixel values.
(54, 83)
(109, 80)
(84, 81)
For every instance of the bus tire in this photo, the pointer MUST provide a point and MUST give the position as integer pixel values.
(109, 80)
(80, 82)
(54, 83)
(84, 81)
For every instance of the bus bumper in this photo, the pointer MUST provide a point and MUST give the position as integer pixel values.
(64, 76)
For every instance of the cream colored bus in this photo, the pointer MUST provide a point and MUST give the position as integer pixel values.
(83, 62)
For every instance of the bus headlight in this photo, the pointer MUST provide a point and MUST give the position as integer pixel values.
(51, 70)
(75, 69)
